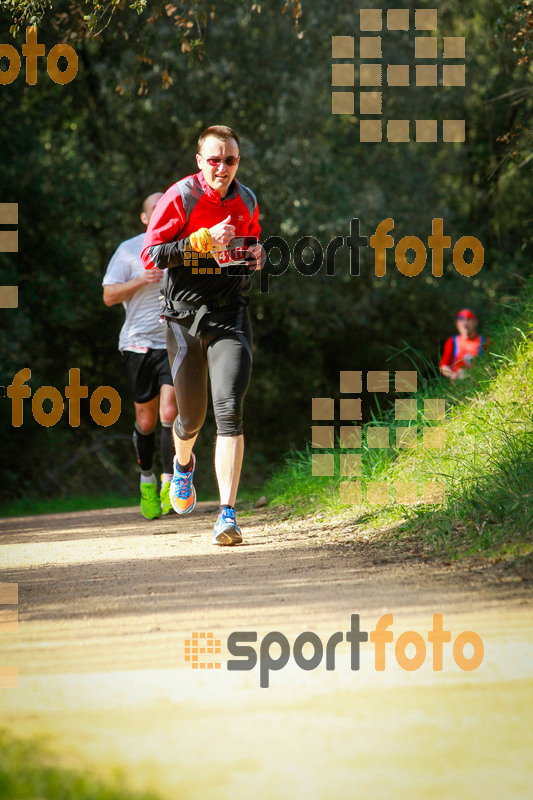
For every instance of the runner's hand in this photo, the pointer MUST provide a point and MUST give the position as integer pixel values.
(255, 257)
(223, 232)
(150, 276)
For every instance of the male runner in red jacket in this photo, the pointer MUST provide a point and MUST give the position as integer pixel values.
(208, 328)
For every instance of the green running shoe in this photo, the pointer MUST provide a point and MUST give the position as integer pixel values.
(164, 497)
(150, 505)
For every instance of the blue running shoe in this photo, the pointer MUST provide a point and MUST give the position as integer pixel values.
(182, 493)
(227, 532)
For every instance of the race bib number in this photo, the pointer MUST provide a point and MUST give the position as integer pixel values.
(233, 254)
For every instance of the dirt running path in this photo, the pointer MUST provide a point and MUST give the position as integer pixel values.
(107, 599)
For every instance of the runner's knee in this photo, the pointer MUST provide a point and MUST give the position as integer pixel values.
(167, 413)
(145, 423)
(228, 416)
(186, 427)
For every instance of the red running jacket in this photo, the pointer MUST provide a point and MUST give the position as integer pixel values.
(460, 352)
(188, 205)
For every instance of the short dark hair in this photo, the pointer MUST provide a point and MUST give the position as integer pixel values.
(221, 132)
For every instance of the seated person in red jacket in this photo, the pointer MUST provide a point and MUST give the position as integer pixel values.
(460, 350)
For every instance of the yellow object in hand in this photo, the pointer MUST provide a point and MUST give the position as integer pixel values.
(201, 240)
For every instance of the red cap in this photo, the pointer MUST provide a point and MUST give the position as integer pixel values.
(467, 313)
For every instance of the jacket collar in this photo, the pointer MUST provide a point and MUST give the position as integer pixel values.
(212, 194)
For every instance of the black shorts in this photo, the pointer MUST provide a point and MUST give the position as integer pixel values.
(146, 373)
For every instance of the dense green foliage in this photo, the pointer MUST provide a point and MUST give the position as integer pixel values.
(80, 158)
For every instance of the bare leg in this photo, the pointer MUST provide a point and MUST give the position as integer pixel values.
(168, 410)
(183, 448)
(146, 415)
(228, 461)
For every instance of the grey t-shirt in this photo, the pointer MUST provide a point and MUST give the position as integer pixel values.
(142, 327)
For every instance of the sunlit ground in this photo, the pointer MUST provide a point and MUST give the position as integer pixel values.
(342, 734)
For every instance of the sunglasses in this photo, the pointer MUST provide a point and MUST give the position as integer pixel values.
(465, 316)
(230, 161)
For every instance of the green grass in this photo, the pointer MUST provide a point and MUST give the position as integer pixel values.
(486, 467)
(28, 772)
(59, 505)
(21, 508)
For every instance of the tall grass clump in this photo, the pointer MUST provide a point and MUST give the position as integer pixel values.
(473, 494)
